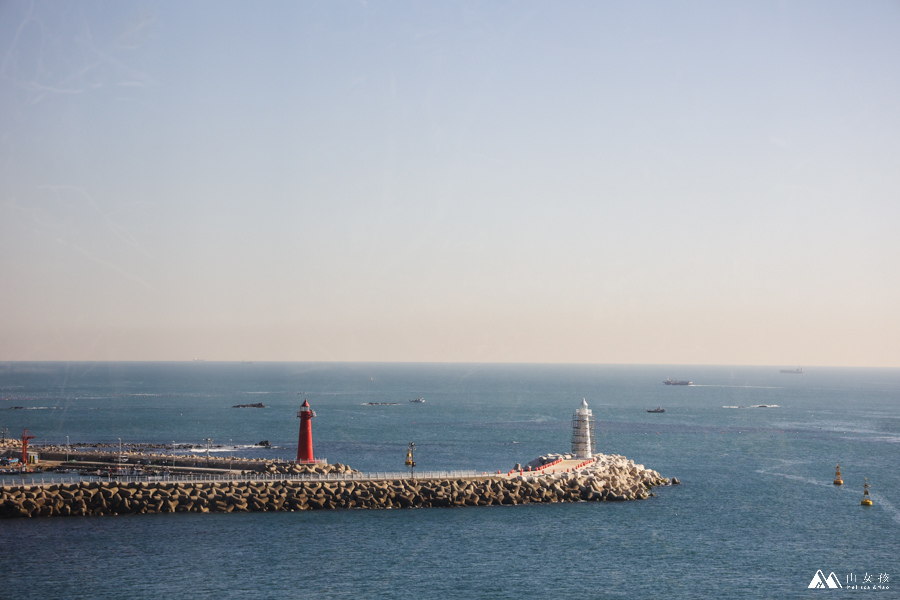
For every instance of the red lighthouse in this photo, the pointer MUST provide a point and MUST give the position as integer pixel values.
(304, 446)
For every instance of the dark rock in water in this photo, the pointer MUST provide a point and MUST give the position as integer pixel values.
(255, 405)
(264, 443)
(675, 481)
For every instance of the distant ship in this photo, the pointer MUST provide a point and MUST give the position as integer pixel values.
(677, 382)
(417, 400)
(797, 371)
(658, 409)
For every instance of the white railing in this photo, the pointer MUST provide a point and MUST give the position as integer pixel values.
(250, 477)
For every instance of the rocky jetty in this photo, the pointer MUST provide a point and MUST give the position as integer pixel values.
(291, 468)
(188, 460)
(609, 478)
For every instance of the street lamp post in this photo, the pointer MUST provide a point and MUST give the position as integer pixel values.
(67, 448)
(207, 440)
(230, 453)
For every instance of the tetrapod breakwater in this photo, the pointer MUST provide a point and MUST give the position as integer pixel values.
(608, 478)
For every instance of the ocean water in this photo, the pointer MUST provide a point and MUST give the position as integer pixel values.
(756, 515)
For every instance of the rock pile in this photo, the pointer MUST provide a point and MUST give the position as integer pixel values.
(617, 478)
(244, 465)
(291, 468)
(611, 478)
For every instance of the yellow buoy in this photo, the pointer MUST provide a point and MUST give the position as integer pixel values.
(866, 501)
(837, 475)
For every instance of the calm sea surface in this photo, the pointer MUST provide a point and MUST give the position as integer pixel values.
(756, 516)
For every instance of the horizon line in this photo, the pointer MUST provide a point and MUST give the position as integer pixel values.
(451, 362)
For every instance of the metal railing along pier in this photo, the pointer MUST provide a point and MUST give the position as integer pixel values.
(16, 481)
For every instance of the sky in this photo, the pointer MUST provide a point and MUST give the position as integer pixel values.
(540, 182)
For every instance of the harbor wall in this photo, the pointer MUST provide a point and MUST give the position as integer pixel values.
(188, 461)
(113, 498)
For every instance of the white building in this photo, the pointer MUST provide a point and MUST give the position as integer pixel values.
(583, 432)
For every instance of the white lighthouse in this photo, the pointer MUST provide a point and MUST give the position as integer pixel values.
(583, 432)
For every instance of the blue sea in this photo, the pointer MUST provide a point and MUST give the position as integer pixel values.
(756, 516)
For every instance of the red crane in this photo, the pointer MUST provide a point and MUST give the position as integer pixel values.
(25, 438)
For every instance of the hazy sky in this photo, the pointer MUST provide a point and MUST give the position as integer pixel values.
(590, 182)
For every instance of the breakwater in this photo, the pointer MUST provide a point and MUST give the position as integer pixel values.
(156, 462)
(613, 480)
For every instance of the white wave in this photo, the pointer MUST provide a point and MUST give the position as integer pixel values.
(784, 462)
(202, 449)
(878, 500)
(890, 439)
(798, 478)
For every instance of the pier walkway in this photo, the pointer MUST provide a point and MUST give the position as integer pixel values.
(559, 466)
(18, 480)
(217, 476)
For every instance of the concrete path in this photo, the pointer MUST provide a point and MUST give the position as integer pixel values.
(560, 467)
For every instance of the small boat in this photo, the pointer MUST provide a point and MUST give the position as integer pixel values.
(417, 400)
(797, 371)
(658, 409)
(866, 501)
(677, 382)
(837, 475)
